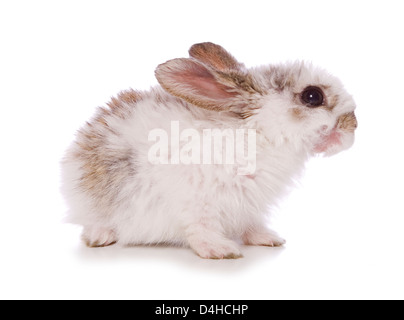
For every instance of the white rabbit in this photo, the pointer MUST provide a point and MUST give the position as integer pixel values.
(119, 194)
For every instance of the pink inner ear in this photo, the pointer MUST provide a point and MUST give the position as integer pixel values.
(200, 80)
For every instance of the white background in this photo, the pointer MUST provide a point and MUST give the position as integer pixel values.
(59, 60)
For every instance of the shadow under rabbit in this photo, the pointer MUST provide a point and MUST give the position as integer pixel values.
(182, 256)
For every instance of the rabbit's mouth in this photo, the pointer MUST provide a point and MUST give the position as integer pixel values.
(327, 141)
(341, 137)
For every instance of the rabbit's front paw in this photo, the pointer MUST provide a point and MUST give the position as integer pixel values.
(263, 238)
(223, 249)
(98, 236)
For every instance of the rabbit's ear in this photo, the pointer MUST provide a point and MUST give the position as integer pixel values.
(215, 57)
(199, 85)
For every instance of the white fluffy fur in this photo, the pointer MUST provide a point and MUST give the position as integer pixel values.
(205, 207)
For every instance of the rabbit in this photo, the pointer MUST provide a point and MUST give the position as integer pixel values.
(120, 195)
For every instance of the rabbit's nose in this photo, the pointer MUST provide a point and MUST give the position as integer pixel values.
(348, 122)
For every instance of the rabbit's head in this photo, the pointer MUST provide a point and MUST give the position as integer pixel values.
(295, 104)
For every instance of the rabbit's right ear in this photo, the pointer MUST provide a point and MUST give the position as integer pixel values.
(196, 83)
(215, 57)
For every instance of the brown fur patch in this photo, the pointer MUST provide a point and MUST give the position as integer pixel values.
(105, 167)
(246, 114)
(119, 106)
(284, 81)
(332, 103)
(241, 81)
(280, 79)
(348, 122)
(214, 56)
(297, 113)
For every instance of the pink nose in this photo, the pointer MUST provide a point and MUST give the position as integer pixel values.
(348, 122)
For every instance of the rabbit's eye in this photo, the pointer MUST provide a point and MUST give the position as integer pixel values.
(312, 97)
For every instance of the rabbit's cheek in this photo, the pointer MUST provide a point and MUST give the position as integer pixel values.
(328, 141)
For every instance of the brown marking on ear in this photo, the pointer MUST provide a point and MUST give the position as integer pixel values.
(214, 56)
(348, 122)
(241, 81)
(246, 114)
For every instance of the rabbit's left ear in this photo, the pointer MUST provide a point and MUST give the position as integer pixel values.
(215, 57)
(204, 87)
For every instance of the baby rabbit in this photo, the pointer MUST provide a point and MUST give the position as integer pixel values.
(126, 181)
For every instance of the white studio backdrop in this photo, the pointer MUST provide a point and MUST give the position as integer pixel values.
(59, 60)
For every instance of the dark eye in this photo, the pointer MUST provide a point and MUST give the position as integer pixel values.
(312, 97)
